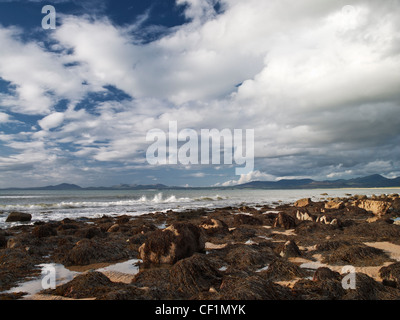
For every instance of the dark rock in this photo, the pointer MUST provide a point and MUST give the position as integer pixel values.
(369, 289)
(176, 242)
(242, 257)
(281, 270)
(44, 231)
(326, 289)
(19, 217)
(356, 255)
(3, 241)
(243, 233)
(252, 288)
(241, 219)
(86, 252)
(195, 274)
(391, 273)
(324, 273)
(285, 221)
(95, 284)
(89, 233)
(289, 250)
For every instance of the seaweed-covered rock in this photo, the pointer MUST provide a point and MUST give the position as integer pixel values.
(391, 273)
(281, 270)
(242, 257)
(324, 273)
(176, 242)
(194, 274)
(326, 289)
(43, 231)
(86, 252)
(369, 289)
(356, 255)
(289, 250)
(252, 288)
(285, 221)
(93, 284)
(214, 226)
(241, 219)
(19, 217)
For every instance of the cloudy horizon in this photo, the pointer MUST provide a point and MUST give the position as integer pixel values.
(317, 81)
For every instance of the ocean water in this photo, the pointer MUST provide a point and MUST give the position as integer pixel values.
(56, 205)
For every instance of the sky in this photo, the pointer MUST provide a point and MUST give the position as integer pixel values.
(317, 81)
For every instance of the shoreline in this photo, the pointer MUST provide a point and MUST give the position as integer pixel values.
(256, 253)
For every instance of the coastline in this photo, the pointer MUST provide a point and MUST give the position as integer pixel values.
(286, 252)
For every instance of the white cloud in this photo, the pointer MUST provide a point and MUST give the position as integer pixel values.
(249, 177)
(51, 121)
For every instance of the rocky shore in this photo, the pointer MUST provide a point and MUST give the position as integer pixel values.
(300, 251)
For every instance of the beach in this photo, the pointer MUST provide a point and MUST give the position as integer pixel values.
(316, 248)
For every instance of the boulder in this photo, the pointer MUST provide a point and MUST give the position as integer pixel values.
(194, 274)
(391, 273)
(334, 205)
(213, 226)
(303, 202)
(178, 241)
(377, 207)
(19, 217)
(241, 219)
(44, 231)
(285, 221)
(324, 273)
(289, 250)
(252, 288)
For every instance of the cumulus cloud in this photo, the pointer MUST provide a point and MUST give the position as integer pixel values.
(317, 81)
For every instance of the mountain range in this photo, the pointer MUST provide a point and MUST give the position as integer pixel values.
(373, 181)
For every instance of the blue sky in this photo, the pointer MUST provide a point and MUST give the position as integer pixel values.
(317, 81)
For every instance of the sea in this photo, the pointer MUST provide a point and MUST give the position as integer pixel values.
(55, 205)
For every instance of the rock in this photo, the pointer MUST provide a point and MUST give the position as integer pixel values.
(303, 202)
(241, 219)
(86, 252)
(285, 221)
(252, 288)
(324, 273)
(304, 216)
(194, 274)
(244, 257)
(3, 241)
(356, 255)
(282, 270)
(44, 231)
(333, 205)
(214, 226)
(377, 207)
(369, 289)
(289, 250)
(329, 220)
(19, 217)
(178, 241)
(391, 273)
(396, 205)
(326, 289)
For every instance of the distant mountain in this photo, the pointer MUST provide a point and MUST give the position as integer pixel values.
(373, 181)
(62, 186)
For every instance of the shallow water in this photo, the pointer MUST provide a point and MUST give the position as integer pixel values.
(64, 275)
